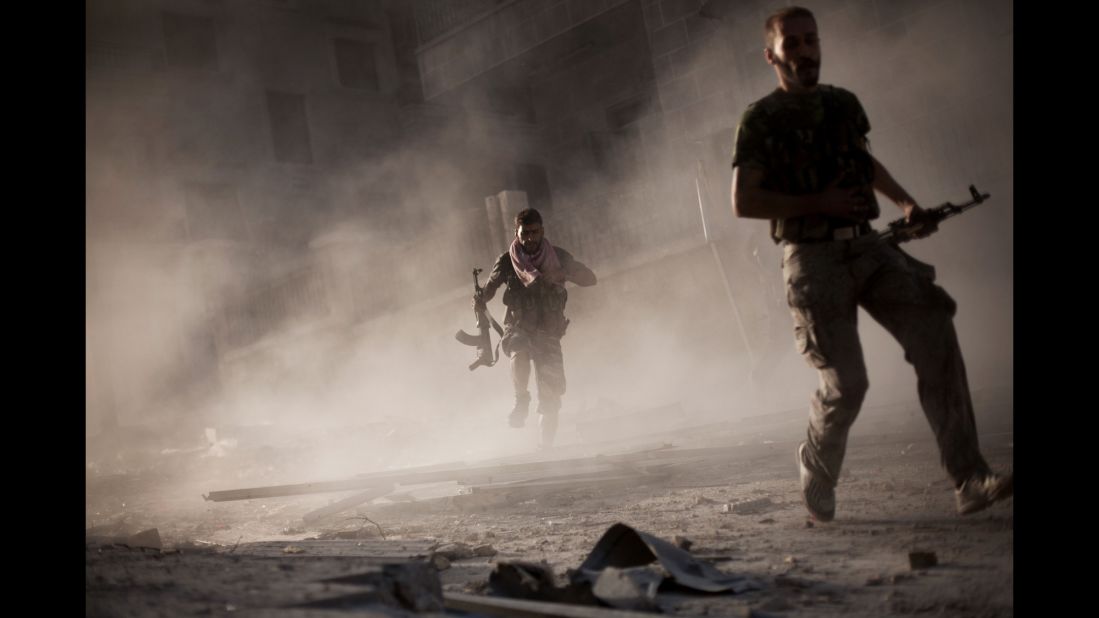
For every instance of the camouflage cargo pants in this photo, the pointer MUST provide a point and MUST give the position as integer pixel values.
(543, 351)
(826, 282)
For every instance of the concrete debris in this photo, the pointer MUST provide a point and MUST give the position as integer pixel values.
(535, 581)
(756, 506)
(413, 585)
(631, 588)
(146, 538)
(455, 551)
(484, 551)
(292, 549)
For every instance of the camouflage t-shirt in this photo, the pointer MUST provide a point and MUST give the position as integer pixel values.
(803, 143)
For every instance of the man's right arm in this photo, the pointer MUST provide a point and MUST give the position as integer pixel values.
(495, 279)
(751, 201)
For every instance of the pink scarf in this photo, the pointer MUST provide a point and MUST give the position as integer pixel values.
(542, 262)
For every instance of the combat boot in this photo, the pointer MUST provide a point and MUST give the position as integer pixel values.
(817, 491)
(548, 424)
(981, 490)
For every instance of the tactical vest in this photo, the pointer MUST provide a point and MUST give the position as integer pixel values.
(538, 308)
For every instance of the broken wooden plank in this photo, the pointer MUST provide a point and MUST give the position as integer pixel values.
(397, 550)
(467, 476)
(347, 503)
(486, 496)
(518, 608)
(479, 475)
(276, 491)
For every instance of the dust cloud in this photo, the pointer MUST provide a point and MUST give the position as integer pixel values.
(313, 315)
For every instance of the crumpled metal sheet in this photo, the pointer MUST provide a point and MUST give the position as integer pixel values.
(622, 547)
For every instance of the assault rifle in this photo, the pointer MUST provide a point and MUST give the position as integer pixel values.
(482, 340)
(900, 230)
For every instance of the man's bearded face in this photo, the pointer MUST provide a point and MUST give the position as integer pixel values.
(796, 52)
(530, 236)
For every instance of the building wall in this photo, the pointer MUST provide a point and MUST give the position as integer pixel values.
(221, 138)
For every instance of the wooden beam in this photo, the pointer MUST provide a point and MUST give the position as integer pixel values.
(517, 608)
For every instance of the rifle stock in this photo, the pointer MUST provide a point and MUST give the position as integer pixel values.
(482, 340)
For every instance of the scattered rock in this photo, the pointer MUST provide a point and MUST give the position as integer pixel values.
(750, 507)
(292, 549)
(790, 560)
(441, 563)
(808, 523)
(877, 580)
(484, 550)
(683, 542)
(767, 520)
(455, 551)
(922, 559)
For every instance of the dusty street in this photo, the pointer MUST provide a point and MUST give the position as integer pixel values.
(736, 500)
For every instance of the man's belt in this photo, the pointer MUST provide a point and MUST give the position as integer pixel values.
(848, 232)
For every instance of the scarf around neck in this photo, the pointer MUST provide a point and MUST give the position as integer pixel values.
(543, 262)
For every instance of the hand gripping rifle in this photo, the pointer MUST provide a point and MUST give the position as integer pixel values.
(900, 230)
(482, 341)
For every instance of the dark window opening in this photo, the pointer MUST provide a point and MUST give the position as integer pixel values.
(616, 154)
(629, 111)
(214, 212)
(355, 64)
(532, 179)
(189, 42)
(289, 127)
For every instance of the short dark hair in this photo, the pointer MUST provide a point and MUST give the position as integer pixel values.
(527, 216)
(770, 27)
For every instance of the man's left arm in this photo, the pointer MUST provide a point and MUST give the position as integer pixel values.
(885, 184)
(576, 271)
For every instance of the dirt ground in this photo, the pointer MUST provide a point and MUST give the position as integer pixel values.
(740, 508)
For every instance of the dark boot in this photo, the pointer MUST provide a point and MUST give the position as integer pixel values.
(519, 412)
(547, 412)
(548, 425)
